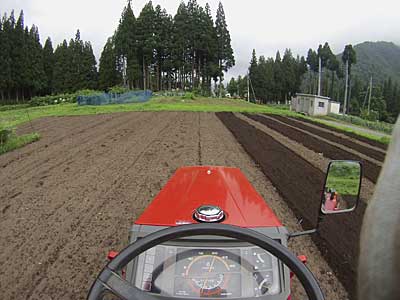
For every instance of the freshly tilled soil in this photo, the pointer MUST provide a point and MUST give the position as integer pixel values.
(378, 155)
(350, 134)
(300, 183)
(69, 198)
(371, 170)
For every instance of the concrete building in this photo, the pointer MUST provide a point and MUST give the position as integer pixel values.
(314, 105)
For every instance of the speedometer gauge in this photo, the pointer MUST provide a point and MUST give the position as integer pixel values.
(208, 272)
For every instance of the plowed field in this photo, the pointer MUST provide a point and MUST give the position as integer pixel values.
(68, 199)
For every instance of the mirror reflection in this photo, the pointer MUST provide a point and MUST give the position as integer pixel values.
(342, 187)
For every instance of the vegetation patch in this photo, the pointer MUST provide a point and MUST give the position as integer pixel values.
(14, 141)
(380, 139)
(378, 126)
(161, 103)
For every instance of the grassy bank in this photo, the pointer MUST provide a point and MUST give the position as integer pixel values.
(18, 116)
(381, 139)
(15, 142)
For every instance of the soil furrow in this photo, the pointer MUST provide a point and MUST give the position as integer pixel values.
(371, 170)
(85, 137)
(300, 185)
(378, 155)
(350, 134)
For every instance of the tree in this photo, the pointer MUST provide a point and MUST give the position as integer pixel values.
(349, 58)
(145, 35)
(61, 68)
(5, 57)
(18, 58)
(108, 73)
(74, 66)
(225, 56)
(312, 62)
(126, 47)
(48, 65)
(35, 75)
(232, 87)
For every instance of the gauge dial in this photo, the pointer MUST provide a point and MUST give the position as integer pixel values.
(207, 272)
(261, 259)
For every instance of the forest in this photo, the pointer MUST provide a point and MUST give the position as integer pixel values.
(277, 80)
(189, 51)
(153, 51)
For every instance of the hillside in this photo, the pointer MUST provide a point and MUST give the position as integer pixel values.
(379, 59)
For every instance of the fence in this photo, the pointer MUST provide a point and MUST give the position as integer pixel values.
(109, 98)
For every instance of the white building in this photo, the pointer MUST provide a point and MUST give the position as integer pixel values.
(314, 105)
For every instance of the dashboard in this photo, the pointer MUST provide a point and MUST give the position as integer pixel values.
(208, 272)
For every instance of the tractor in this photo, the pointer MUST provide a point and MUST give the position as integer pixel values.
(209, 234)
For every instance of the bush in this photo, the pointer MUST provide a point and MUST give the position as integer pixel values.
(61, 98)
(118, 90)
(15, 142)
(189, 96)
(5, 134)
(13, 107)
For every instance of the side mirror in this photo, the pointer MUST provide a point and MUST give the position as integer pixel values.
(342, 187)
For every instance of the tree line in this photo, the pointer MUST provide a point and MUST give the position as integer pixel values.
(270, 79)
(154, 51)
(28, 69)
(277, 79)
(157, 51)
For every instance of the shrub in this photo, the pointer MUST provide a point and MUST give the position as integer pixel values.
(61, 98)
(189, 96)
(5, 134)
(118, 90)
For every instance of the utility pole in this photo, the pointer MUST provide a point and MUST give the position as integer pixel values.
(347, 86)
(370, 94)
(319, 75)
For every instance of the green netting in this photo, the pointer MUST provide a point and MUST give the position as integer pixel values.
(109, 98)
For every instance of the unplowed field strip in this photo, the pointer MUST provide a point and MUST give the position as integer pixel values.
(378, 155)
(300, 185)
(350, 134)
(371, 170)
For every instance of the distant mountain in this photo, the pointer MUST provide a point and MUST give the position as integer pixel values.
(379, 59)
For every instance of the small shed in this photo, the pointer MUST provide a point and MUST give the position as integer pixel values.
(314, 105)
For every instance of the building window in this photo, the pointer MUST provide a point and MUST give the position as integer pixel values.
(321, 104)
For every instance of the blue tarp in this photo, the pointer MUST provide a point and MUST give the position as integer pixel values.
(108, 98)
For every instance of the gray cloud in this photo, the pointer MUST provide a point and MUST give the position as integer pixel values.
(265, 25)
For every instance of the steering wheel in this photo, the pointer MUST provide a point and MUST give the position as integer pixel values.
(110, 281)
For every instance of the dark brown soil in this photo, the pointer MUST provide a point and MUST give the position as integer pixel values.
(350, 134)
(371, 170)
(69, 198)
(300, 185)
(353, 145)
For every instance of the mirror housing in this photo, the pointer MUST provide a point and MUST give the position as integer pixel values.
(342, 187)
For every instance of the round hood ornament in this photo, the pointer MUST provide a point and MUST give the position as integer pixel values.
(209, 214)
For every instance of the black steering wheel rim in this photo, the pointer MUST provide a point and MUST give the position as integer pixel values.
(109, 280)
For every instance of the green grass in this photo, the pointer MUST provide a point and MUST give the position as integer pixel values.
(19, 115)
(15, 142)
(344, 178)
(12, 118)
(354, 120)
(381, 139)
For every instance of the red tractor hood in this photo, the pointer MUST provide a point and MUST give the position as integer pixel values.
(192, 187)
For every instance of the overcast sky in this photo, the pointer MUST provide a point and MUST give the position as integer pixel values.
(265, 25)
